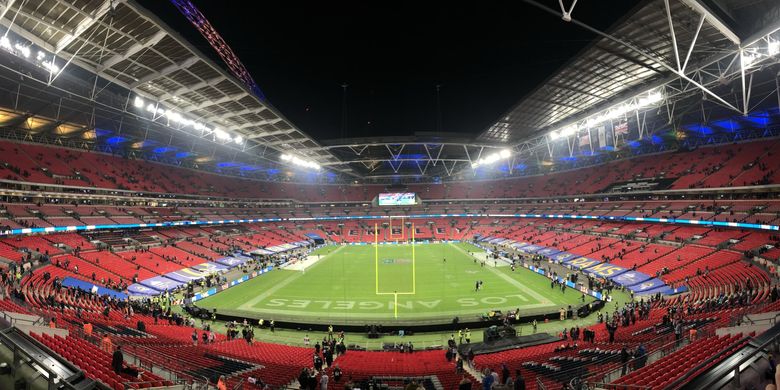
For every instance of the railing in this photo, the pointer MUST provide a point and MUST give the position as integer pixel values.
(652, 345)
(148, 365)
(173, 374)
(21, 356)
(656, 348)
(666, 349)
(136, 385)
(744, 359)
(625, 387)
(605, 376)
(682, 379)
(14, 320)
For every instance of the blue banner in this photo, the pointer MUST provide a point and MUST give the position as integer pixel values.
(547, 252)
(204, 294)
(140, 289)
(185, 275)
(231, 262)
(91, 287)
(210, 267)
(562, 257)
(530, 248)
(581, 262)
(630, 278)
(161, 283)
(605, 270)
(569, 284)
(650, 284)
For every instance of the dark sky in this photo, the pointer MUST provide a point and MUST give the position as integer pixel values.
(485, 56)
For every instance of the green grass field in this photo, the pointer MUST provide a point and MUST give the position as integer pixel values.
(353, 284)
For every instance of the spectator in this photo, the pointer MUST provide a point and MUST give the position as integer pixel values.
(117, 359)
(519, 381)
(324, 381)
(465, 383)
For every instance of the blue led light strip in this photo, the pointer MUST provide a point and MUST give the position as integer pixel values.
(59, 229)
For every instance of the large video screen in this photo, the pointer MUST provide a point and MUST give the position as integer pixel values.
(397, 199)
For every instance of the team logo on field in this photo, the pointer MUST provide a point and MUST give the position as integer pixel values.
(396, 261)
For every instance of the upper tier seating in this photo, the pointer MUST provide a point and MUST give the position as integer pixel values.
(719, 166)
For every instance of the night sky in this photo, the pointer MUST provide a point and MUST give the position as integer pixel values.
(485, 56)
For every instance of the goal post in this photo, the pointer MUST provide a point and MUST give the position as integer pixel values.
(376, 255)
(392, 235)
(414, 261)
(376, 269)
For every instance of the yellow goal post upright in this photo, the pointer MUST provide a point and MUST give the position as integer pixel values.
(395, 294)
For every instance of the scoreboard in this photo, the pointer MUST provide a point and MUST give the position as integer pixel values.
(397, 199)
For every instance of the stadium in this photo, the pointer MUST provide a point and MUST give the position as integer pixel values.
(586, 197)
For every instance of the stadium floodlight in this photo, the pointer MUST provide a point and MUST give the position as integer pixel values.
(222, 135)
(299, 161)
(150, 107)
(554, 135)
(569, 131)
(51, 66)
(491, 158)
(773, 47)
(5, 43)
(173, 116)
(239, 139)
(41, 55)
(23, 50)
(650, 99)
(138, 102)
(748, 59)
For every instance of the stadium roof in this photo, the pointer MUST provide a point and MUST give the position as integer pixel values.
(130, 47)
(701, 58)
(659, 41)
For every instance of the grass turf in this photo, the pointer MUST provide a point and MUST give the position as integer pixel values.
(349, 284)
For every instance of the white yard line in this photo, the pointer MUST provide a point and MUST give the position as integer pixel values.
(249, 304)
(510, 280)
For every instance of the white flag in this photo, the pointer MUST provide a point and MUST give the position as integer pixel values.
(602, 136)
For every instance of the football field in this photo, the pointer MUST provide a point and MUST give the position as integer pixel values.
(403, 282)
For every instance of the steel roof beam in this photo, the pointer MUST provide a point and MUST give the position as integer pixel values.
(166, 71)
(192, 88)
(263, 122)
(245, 111)
(132, 50)
(713, 20)
(270, 134)
(224, 99)
(85, 24)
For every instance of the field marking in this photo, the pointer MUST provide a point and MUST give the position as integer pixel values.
(285, 282)
(510, 280)
(353, 314)
(250, 307)
(376, 268)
